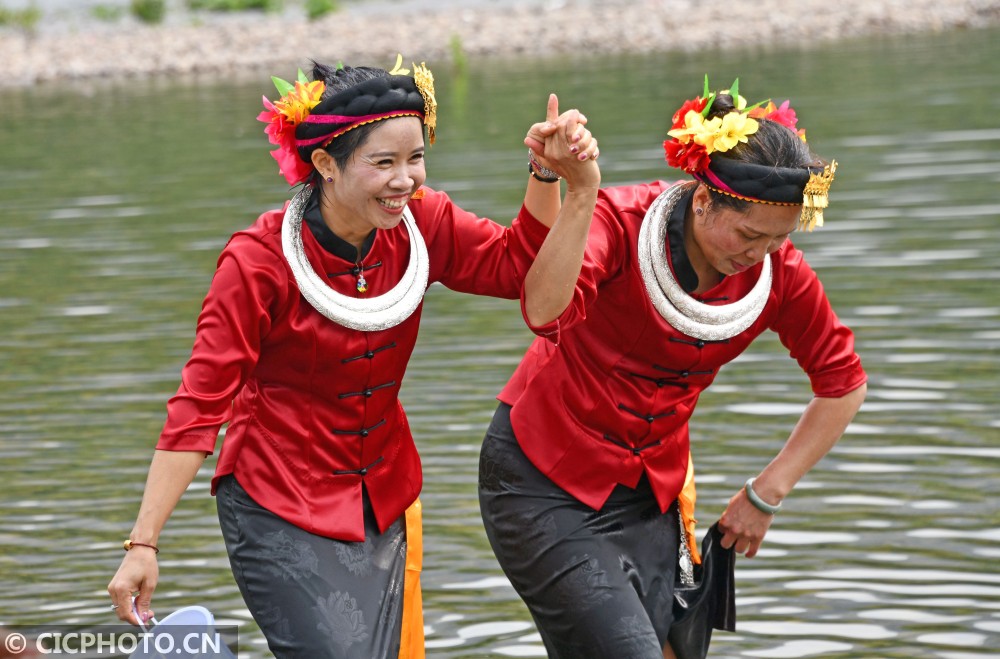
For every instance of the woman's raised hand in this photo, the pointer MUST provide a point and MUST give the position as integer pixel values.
(563, 144)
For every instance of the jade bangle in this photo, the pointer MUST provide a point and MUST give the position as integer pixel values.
(757, 502)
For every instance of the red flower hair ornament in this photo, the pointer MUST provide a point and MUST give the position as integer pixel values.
(694, 137)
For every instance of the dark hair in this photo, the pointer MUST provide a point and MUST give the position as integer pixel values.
(773, 145)
(337, 79)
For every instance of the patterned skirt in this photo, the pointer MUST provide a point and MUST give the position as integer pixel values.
(315, 597)
(599, 583)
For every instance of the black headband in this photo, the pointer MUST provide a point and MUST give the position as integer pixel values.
(767, 183)
(374, 99)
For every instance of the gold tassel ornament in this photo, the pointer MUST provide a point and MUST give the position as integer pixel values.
(424, 80)
(816, 197)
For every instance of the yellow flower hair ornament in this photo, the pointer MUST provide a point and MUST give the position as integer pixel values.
(694, 138)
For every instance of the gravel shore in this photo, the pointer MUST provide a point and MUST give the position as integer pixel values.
(82, 47)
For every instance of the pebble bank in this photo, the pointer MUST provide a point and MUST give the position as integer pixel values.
(434, 30)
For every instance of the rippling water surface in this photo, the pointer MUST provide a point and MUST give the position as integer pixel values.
(117, 199)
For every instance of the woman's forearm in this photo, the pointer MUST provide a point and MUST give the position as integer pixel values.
(170, 474)
(572, 152)
(819, 428)
(542, 200)
(550, 282)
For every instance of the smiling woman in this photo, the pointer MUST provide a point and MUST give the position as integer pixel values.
(374, 186)
(302, 345)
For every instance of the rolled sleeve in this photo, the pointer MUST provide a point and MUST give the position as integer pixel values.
(814, 335)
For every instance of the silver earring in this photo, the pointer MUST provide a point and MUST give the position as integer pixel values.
(698, 211)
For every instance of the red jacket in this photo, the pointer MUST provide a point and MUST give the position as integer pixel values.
(605, 393)
(313, 407)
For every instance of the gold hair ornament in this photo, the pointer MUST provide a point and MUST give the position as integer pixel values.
(424, 80)
(399, 70)
(815, 197)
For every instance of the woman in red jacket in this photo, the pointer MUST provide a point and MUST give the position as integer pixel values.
(302, 344)
(588, 453)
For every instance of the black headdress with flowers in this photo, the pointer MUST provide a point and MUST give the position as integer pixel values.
(302, 121)
(694, 139)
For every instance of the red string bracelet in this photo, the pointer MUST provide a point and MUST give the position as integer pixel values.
(128, 544)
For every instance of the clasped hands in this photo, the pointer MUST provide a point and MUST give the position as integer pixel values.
(563, 144)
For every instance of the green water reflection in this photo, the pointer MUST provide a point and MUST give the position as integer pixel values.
(118, 197)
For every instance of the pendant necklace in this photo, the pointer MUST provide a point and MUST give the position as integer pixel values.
(362, 284)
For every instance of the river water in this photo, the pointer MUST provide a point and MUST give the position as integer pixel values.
(117, 198)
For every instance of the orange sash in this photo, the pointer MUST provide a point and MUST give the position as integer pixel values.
(411, 637)
(685, 500)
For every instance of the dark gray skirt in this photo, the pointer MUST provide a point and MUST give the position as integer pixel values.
(315, 597)
(598, 583)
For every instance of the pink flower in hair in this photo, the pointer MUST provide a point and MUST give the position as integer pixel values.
(296, 102)
(782, 114)
(281, 132)
(278, 126)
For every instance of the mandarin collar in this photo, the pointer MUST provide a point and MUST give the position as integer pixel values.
(683, 270)
(330, 241)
